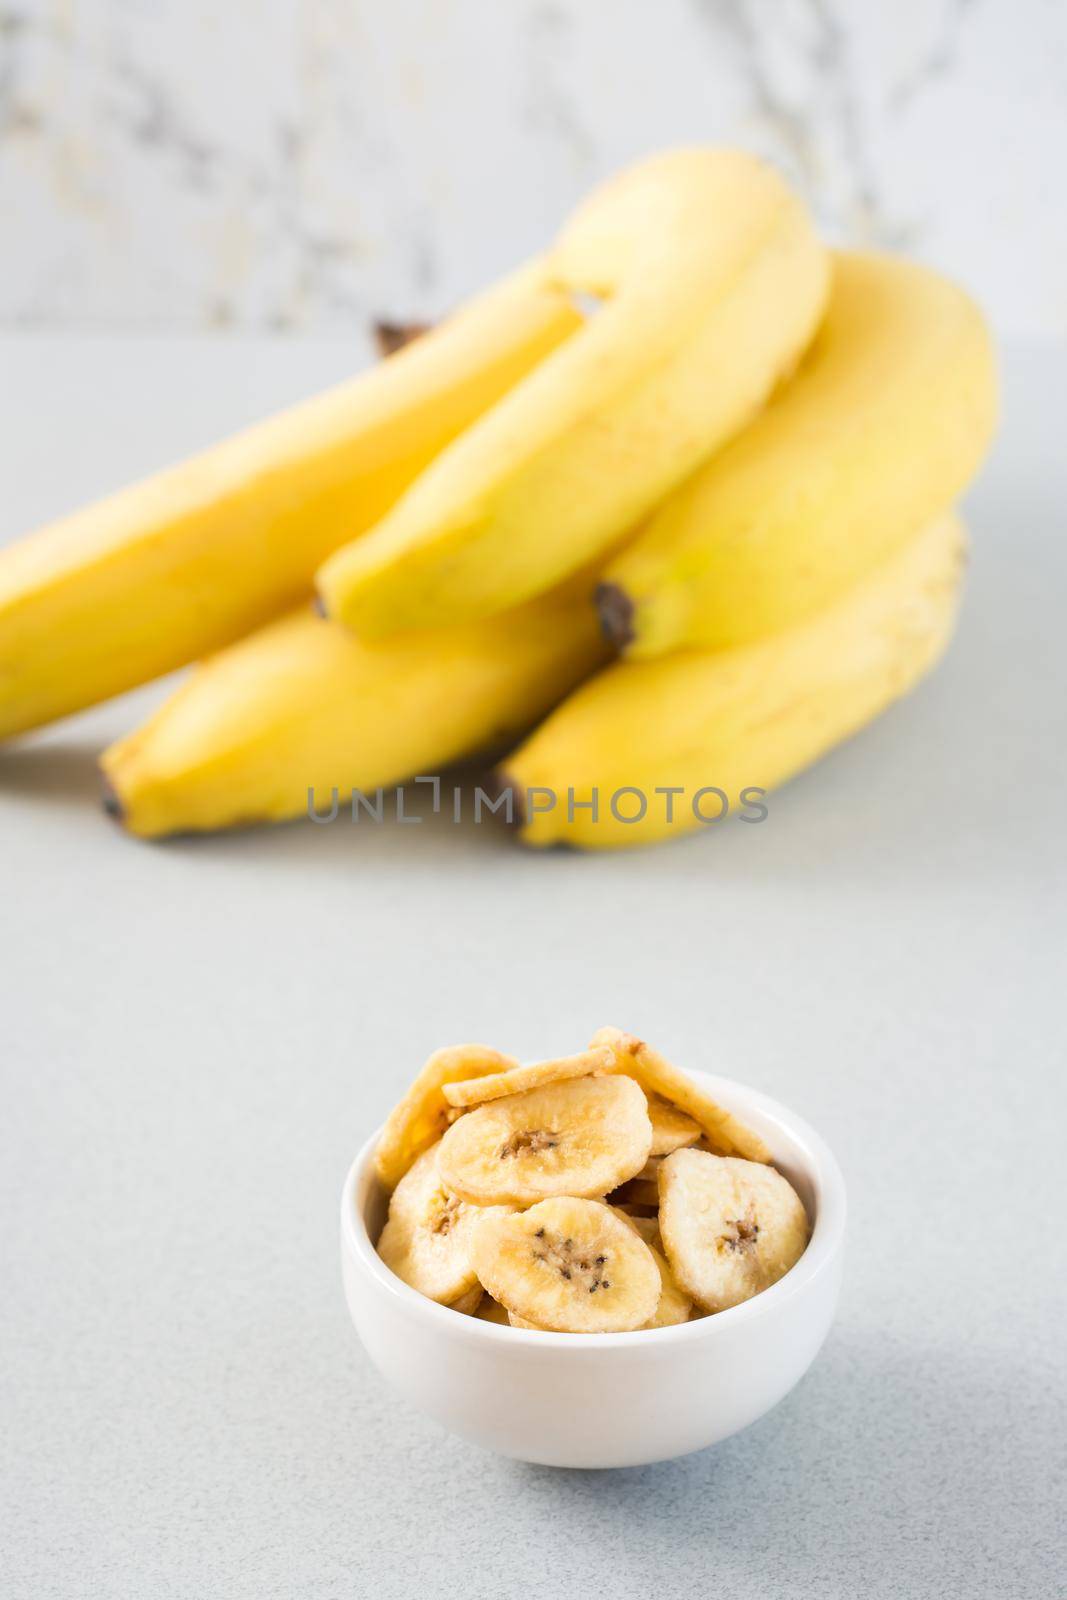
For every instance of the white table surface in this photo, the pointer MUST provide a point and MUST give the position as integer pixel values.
(196, 1036)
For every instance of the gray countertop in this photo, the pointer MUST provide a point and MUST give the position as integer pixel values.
(196, 1036)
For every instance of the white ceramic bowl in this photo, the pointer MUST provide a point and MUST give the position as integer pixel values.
(607, 1399)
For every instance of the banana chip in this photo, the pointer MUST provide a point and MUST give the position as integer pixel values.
(491, 1310)
(730, 1228)
(423, 1114)
(569, 1266)
(674, 1304)
(469, 1303)
(426, 1237)
(581, 1138)
(518, 1079)
(658, 1077)
(671, 1128)
(642, 1189)
(646, 1227)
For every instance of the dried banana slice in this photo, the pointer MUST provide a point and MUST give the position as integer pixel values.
(426, 1238)
(671, 1128)
(518, 1079)
(638, 1192)
(674, 1304)
(642, 1189)
(647, 1227)
(491, 1310)
(730, 1228)
(657, 1076)
(521, 1322)
(469, 1303)
(579, 1138)
(570, 1266)
(423, 1114)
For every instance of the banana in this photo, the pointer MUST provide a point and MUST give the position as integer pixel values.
(567, 1265)
(741, 720)
(671, 1128)
(531, 1076)
(427, 1236)
(658, 1076)
(581, 1137)
(423, 1114)
(302, 706)
(712, 282)
(885, 422)
(730, 1228)
(186, 561)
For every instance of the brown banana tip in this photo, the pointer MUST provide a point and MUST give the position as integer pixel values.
(616, 612)
(393, 336)
(318, 605)
(111, 802)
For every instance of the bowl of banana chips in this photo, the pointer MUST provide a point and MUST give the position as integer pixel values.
(593, 1260)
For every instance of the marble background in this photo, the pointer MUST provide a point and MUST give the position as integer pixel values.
(185, 165)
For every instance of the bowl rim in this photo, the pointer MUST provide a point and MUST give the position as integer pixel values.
(827, 1236)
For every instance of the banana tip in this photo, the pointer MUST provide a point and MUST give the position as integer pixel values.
(616, 612)
(389, 337)
(110, 800)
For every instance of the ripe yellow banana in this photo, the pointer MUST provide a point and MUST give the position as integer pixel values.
(734, 720)
(187, 560)
(302, 704)
(885, 422)
(712, 283)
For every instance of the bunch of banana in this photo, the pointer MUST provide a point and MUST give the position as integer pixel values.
(687, 430)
